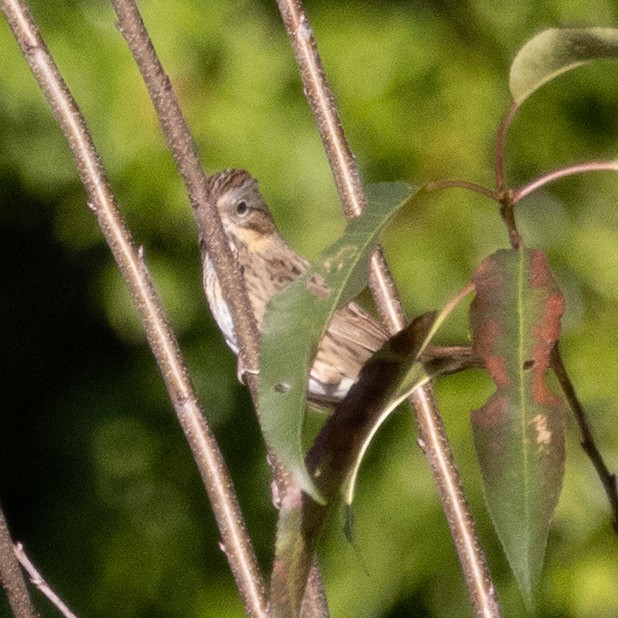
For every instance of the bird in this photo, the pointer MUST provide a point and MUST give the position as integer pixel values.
(268, 264)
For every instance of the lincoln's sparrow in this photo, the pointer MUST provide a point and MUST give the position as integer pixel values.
(268, 264)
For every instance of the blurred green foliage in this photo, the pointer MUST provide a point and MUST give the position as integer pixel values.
(95, 477)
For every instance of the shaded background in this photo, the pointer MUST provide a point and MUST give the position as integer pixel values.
(95, 477)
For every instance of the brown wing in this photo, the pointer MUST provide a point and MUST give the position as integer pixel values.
(356, 327)
(352, 337)
(351, 325)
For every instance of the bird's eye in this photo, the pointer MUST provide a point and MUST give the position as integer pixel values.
(242, 208)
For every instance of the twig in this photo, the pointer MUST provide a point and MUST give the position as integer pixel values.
(160, 337)
(508, 216)
(500, 144)
(347, 178)
(591, 166)
(39, 582)
(607, 478)
(187, 160)
(437, 185)
(185, 154)
(11, 576)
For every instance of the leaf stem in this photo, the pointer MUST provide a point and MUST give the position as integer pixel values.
(437, 185)
(500, 145)
(562, 172)
(607, 478)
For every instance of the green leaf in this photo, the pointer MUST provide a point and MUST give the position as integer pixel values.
(402, 352)
(556, 51)
(300, 521)
(387, 378)
(389, 375)
(519, 432)
(296, 320)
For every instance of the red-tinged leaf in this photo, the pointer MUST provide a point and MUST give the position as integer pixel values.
(519, 432)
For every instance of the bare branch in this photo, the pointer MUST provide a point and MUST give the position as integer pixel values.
(160, 337)
(187, 160)
(11, 576)
(347, 178)
(37, 580)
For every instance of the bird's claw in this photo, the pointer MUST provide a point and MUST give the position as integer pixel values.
(242, 371)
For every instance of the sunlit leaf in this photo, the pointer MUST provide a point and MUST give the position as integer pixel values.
(556, 51)
(519, 432)
(297, 317)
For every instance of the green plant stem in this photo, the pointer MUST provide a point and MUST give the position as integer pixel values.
(437, 185)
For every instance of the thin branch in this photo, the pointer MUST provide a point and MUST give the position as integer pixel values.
(160, 337)
(500, 145)
(347, 179)
(437, 185)
(187, 160)
(562, 172)
(607, 478)
(322, 102)
(508, 216)
(11, 576)
(39, 582)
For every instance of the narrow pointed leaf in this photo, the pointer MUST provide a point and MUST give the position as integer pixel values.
(296, 320)
(336, 452)
(519, 432)
(556, 51)
(387, 378)
(410, 375)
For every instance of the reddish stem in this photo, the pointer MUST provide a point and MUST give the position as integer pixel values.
(500, 142)
(607, 478)
(462, 184)
(562, 172)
